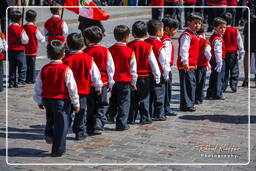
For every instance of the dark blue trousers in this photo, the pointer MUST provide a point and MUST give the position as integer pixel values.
(58, 111)
(157, 13)
(168, 95)
(140, 101)
(187, 88)
(231, 72)
(31, 69)
(200, 82)
(97, 108)
(80, 124)
(157, 94)
(120, 97)
(17, 59)
(1, 75)
(215, 89)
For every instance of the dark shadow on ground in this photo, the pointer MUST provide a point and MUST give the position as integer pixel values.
(239, 119)
(24, 152)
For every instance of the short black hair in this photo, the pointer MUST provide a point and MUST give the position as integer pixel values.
(218, 21)
(168, 21)
(228, 17)
(93, 33)
(201, 30)
(121, 32)
(31, 15)
(75, 41)
(54, 10)
(55, 49)
(154, 26)
(195, 16)
(139, 29)
(15, 15)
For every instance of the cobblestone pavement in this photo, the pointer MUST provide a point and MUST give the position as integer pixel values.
(175, 142)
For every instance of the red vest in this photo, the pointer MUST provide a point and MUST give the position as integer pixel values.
(216, 2)
(212, 39)
(32, 46)
(2, 57)
(232, 2)
(193, 51)
(56, 33)
(202, 60)
(14, 37)
(167, 38)
(53, 76)
(230, 39)
(81, 64)
(191, 1)
(122, 56)
(142, 51)
(157, 46)
(100, 57)
(157, 3)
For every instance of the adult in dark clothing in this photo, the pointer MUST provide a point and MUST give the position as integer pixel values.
(3, 7)
(87, 22)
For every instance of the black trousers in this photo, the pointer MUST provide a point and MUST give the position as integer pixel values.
(216, 80)
(157, 13)
(1, 75)
(200, 82)
(58, 113)
(17, 59)
(31, 69)
(171, 11)
(231, 72)
(97, 108)
(80, 122)
(187, 88)
(140, 101)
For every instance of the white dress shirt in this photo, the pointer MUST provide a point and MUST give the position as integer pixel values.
(24, 36)
(168, 48)
(2, 45)
(207, 52)
(240, 44)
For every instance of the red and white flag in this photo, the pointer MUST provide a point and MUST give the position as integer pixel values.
(87, 9)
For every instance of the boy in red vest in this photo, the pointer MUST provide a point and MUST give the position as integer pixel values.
(215, 89)
(98, 103)
(125, 76)
(17, 38)
(146, 67)
(187, 62)
(56, 90)
(55, 28)
(34, 36)
(170, 29)
(85, 72)
(155, 30)
(234, 52)
(202, 65)
(2, 57)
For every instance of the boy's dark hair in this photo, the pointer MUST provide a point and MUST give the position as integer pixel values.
(31, 15)
(121, 32)
(139, 29)
(170, 22)
(15, 15)
(54, 10)
(55, 49)
(75, 41)
(218, 21)
(154, 26)
(195, 16)
(228, 17)
(201, 30)
(93, 33)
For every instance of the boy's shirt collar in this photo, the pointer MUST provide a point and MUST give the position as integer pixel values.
(188, 28)
(54, 15)
(54, 60)
(14, 23)
(215, 32)
(154, 37)
(31, 23)
(137, 39)
(75, 51)
(93, 44)
(120, 43)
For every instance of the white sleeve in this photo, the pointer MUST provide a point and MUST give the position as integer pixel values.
(133, 70)
(72, 88)
(24, 38)
(39, 36)
(184, 48)
(1, 45)
(110, 70)
(95, 77)
(241, 51)
(168, 48)
(65, 28)
(207, 52)
(154, 66)
(38, 89)
(163, 63)
(217, 44)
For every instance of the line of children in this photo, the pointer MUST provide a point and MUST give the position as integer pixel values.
(2, 57)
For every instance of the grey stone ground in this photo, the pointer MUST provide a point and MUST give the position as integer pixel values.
(170, 142)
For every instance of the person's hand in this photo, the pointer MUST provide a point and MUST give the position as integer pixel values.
(76, 109)
(134, 88)
(186, 67)
(41, 106)
(218, 67)
(98, 92)
(109, 89)
(166, 80)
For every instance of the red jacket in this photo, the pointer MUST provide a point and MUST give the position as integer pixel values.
(232, 2)
(53, 76)
(55, 30)
(122, 56)
(167, 38)
(212, 39)
(156, 2)
(202, 60)
(230, 39)
(216, 2)
(81, 64)
(14, 37)
(142, 51)
(32, 46)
